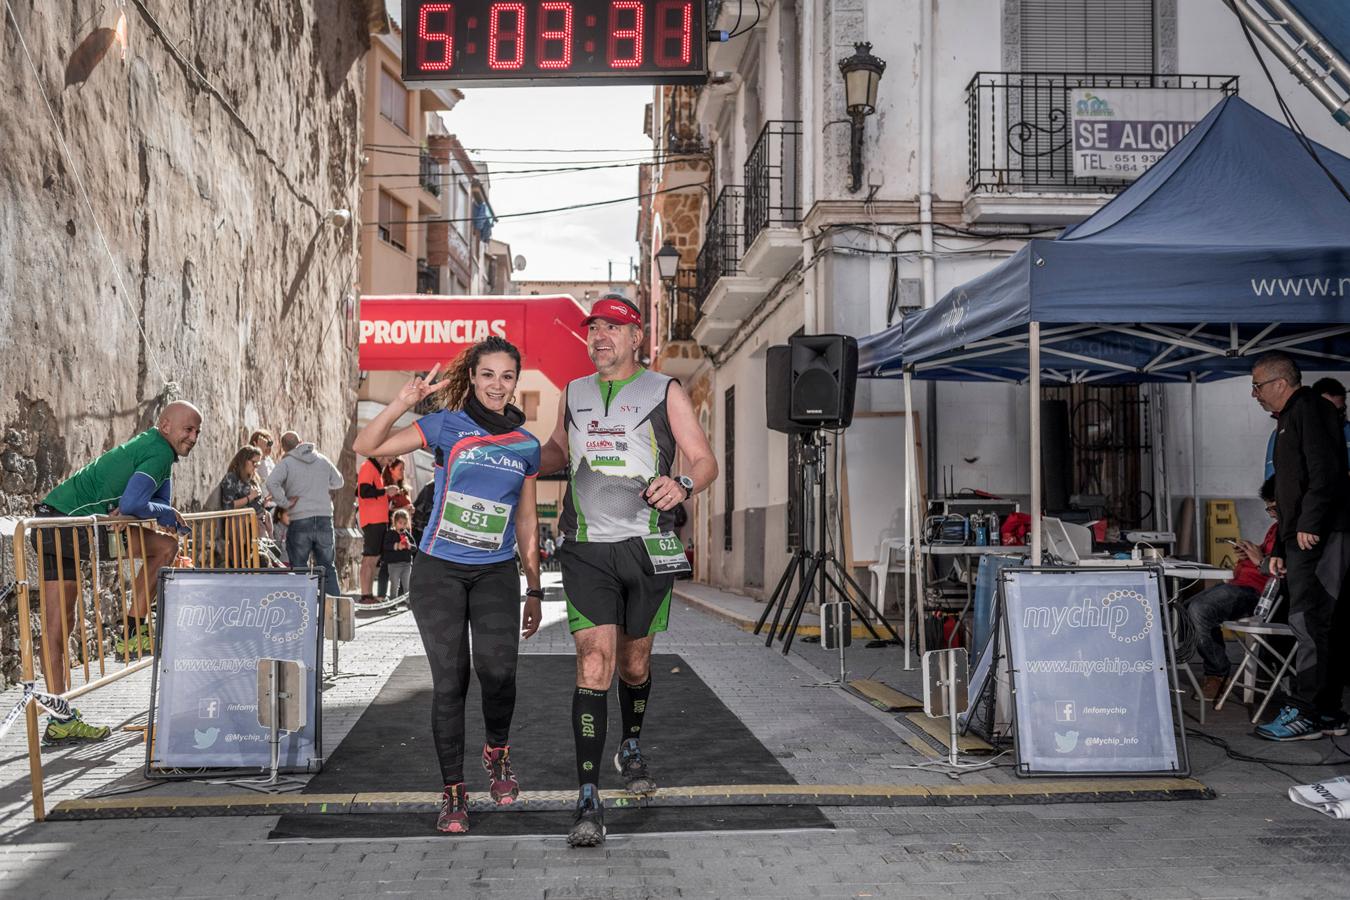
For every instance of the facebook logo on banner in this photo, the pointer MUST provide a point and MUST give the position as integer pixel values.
(208, 708)
(1064, 711)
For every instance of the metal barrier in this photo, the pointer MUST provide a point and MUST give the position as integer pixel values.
(80, 550)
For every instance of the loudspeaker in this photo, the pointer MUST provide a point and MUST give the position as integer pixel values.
(824, 374)
(778, 391)
(1056, 455)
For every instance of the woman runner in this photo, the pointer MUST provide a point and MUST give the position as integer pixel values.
(465, 578)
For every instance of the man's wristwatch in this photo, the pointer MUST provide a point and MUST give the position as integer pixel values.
(535, 592)
(687, 483)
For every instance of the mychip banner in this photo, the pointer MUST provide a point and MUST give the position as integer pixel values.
(214, 626)
(1090, 669)
(1119, 132)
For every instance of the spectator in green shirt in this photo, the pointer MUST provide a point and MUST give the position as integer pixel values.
(132, 479)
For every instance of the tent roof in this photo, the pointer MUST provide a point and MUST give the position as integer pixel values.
(1234, 243)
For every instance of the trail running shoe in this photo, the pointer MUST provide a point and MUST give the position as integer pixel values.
(72, 731)
(633, 768)
(588, 825)
(502, 784)
(454, 816)
(1334, 725)
(1291, 725)
(139, 643)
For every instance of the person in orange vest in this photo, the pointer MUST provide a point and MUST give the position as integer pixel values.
(372, 510)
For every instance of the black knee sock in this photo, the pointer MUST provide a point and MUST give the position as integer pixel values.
(590, 712)
(633, 705)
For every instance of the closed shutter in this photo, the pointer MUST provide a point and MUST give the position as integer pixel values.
(1100, 36)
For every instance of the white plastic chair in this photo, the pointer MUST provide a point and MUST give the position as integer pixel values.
(890, 560)
(1254, 634)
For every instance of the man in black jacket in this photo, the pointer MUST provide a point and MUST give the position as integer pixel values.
(1312, 496)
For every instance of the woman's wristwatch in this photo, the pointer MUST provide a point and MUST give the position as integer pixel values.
(537, 593)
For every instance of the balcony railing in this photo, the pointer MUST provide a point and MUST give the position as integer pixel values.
(772, 179)
(428, 278)
(723, 241)
(682, 310)
(429, 174)
(1019, 126)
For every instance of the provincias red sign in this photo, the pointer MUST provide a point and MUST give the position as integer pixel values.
(413, 332)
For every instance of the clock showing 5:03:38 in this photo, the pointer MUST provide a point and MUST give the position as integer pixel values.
(506, 42)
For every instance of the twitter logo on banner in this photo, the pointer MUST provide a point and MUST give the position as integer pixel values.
(1064, 743)
(203, 740)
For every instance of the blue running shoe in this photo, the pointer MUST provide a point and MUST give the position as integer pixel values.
(1291, 725)
(588, 822)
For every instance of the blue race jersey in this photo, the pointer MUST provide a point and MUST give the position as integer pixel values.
(473, 514)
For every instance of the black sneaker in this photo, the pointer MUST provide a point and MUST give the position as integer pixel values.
(588, 825)
(1335, 724)
(633, 768)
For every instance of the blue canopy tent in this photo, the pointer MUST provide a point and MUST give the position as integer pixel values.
(1233, 244)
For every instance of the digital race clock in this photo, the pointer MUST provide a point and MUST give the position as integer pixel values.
(557, 41)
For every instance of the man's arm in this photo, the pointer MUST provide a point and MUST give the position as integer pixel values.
(143, 499)
(276, 486)
(335, 479)
(1322, 453)
(553, 454)
(692, 443)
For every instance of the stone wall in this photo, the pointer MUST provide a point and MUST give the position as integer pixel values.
(209, 157)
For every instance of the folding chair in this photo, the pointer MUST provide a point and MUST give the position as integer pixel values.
(1255, 633)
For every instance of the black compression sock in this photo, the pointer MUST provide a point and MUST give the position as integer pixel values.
(633, 705)
(590, 713)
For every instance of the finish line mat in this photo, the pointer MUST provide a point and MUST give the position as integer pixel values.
(689, 736)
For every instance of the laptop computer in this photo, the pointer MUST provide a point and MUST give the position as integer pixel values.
(1059, 541)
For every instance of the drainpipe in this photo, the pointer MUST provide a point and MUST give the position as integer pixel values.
(927, 266)
(807, 85)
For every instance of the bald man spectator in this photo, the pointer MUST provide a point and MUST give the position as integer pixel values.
(1312, 499)
(303, 484)
(131, 479)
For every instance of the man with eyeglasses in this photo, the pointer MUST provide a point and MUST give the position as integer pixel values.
(1312, 552)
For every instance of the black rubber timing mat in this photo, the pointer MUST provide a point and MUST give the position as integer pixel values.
(689, 738)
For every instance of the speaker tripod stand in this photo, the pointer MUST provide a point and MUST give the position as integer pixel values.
(815, 570)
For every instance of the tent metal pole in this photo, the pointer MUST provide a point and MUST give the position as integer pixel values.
(1034, 345)
(911, 551)
(1195, 463)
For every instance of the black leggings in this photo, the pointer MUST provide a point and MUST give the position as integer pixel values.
(448, 600)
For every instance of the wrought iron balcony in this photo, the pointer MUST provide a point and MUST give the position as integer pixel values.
(429, 174)
(1019, 126)
(428, 278)
(681, 313)
(723, 241)
(772, 179)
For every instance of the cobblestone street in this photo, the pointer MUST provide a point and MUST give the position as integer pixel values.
(1249, 841)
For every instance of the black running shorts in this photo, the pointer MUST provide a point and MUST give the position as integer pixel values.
(610, 584)
(372, 538)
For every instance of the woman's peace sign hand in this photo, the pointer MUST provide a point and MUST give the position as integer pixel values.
(418, 389)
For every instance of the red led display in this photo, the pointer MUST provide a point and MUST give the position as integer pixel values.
(515, 42)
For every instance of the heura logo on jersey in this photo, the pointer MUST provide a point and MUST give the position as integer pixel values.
(607, 460)
(596, 428)
(430, 331)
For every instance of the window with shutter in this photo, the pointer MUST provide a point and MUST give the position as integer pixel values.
(1101, 36)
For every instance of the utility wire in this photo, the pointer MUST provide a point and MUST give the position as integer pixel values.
(1284, 109)
(532, 212)
(170, 387)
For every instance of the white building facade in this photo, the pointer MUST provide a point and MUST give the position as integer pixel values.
(964, 157)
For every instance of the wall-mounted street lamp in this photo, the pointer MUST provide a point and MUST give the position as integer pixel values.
(667, 262)
(862, 73)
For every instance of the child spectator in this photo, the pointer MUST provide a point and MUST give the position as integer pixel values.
(281, 520)
(398, 553)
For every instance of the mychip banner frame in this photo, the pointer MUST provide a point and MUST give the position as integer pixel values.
(204, 717)
(1114, 685)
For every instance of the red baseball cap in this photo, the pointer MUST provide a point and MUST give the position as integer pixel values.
(614, 308)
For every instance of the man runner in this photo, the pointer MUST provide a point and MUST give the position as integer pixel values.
(620, 429)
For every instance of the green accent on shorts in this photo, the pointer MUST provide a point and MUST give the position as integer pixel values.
(575, 620)
(661, 621)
